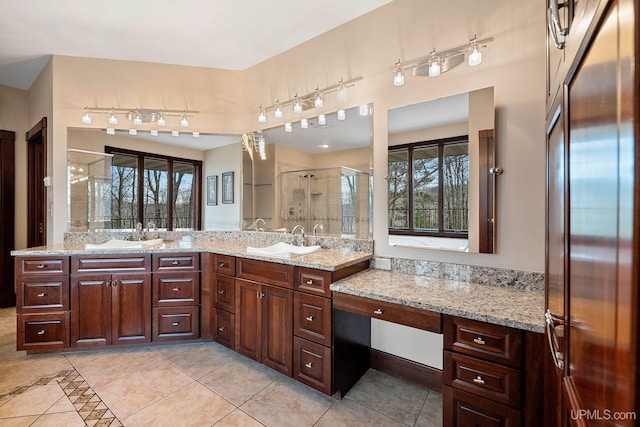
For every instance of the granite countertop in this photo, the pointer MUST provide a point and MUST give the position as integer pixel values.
(324, 259)
(492, 304)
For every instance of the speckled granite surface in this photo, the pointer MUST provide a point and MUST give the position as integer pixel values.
(324, 259)
(505, 306)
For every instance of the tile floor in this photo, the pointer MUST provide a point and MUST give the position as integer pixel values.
(201, 384)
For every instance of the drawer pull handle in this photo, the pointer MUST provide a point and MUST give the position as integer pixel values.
(222, 264)
(42, 294)
(309, 365)
(479, 341)
(377, 311)
(310, 318)
(176, 289)
(175, 262)
(175, 324)
(478, 380)
(221, 291)
(41, 266)
(41, 332)
(310, 282)
(221, 328)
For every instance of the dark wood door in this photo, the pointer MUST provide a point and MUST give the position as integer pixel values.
(277, 327)
(7, 217)
(248, 318)
(90, 310)
(602, 365)
(131, 308)
(36, 190)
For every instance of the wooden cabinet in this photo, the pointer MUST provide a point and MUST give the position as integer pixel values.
(224, 299)
(110, 300)
(176, 296)
(42, 304)
(264, 314)
(492, 375)
(592, 279)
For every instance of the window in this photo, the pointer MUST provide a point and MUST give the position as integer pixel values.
(429, 188)
(161, 192)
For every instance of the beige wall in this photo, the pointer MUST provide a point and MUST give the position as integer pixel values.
(14, 112)
(366, 47)
(223, 159)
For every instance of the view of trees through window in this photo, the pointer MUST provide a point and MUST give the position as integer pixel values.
(429, 187)
(160, 192)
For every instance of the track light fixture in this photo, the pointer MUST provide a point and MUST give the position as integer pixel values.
(315, 99)
(138, 117)
(438, 62)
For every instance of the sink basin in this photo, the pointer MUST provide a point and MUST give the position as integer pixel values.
(283, 250)
(125, 244)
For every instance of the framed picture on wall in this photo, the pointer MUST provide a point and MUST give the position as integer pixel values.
(212, 190)
(227, 187)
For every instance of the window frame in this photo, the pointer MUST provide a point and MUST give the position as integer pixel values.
(410, 147)
(197, 182)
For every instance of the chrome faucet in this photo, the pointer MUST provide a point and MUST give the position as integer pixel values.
(138, 235)
(296, 228)
(318, 227)
(256, 224)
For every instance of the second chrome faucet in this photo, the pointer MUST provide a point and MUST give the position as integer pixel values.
(294, 230)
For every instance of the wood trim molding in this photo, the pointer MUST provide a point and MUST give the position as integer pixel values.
(406, 369)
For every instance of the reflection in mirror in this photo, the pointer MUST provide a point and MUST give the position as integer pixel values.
(318, 177)
(162, 189)
(440, 187)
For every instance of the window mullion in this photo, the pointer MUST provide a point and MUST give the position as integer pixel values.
(440, 187)
(170, 186)
(410, 188)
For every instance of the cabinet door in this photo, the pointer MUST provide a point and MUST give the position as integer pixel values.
(90, 310)
(277, 327)
(248, 336)
(131, 308)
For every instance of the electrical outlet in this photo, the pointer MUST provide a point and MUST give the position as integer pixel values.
(383, 263)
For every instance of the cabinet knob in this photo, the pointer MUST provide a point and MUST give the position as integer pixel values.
(310, 282)
(41, 266)
(310, 318)
(260, 294)
(42, 332)
(221, 291)
(42, 294)
(478, 380)
(222, 264)
(175, 262)
(479, 340)
(309, 365)
(221, 328)
(175, 324)
(108, 283)
(377, 311)
(176, 289)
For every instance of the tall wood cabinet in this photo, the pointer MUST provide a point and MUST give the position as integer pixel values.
(7, 201)
(593, 214)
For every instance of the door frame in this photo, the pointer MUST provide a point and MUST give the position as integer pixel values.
(36, 139)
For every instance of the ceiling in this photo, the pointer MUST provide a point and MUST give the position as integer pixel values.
(226, 34)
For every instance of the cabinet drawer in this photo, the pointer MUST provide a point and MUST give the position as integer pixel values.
(176, 289)
(43, 331)
(224, 332)
(313, 281)
(486, 379)
(176, 323)
(41, 265)
(312, 318)
(265, 272)
(492, 342)
(396, 313)
(224, 264)
(465, 409)
(36, 294)
(224, 293)
(100, 263)
(169, 262)
(312, 364)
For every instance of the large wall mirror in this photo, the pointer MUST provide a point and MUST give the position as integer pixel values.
(315, 174)
(442, 173)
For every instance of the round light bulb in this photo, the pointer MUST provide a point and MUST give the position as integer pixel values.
(475, 57)
(304, 123)
(434, 69)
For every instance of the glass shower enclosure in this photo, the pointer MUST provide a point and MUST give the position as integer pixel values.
(336, 198)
